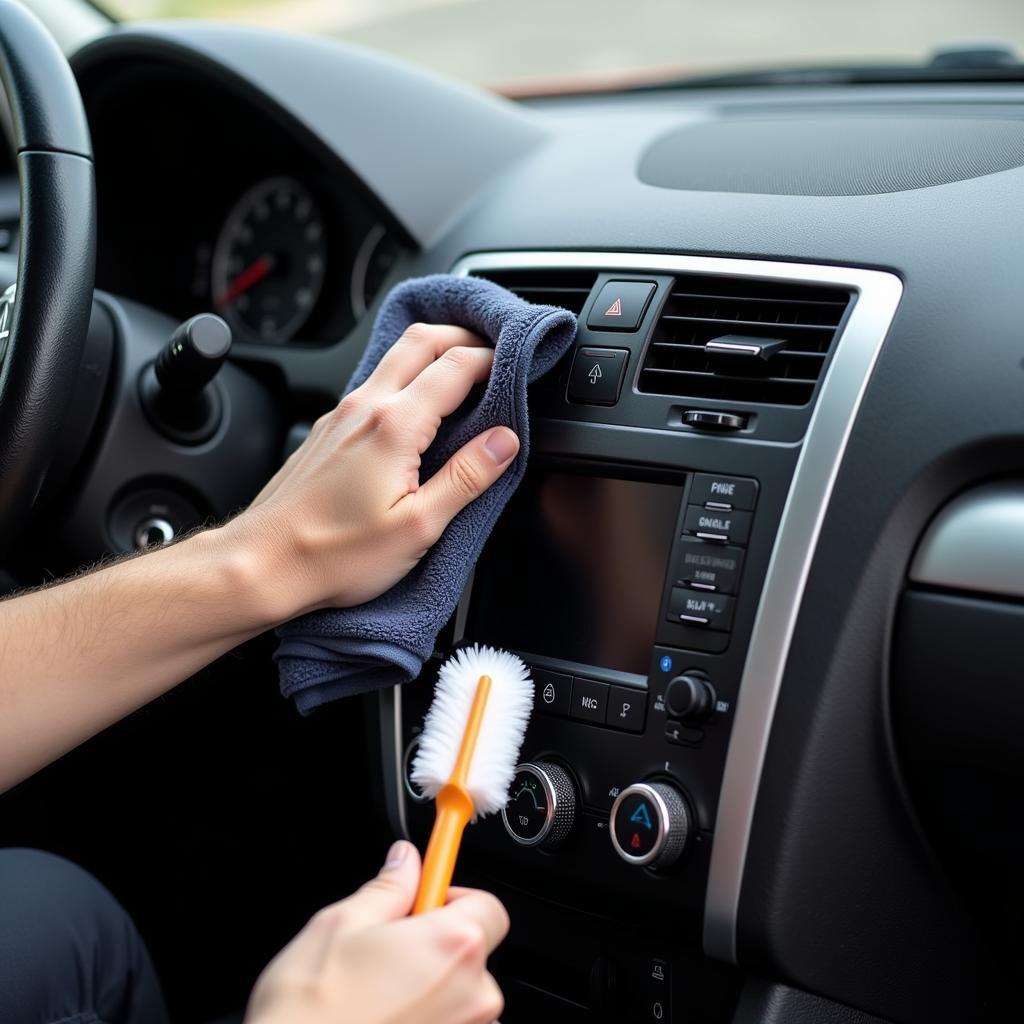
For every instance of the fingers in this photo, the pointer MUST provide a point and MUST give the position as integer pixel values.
(464, 477)
(443, 386)
(387, 897)
(491, 1002)
(414, 351)
(480, 910)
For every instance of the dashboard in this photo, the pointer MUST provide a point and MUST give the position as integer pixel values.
(745, 556)
(227, 211)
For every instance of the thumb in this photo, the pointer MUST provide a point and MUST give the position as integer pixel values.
(466, 475)
(390, 895)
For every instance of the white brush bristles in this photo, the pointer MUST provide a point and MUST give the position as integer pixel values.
(501, 731)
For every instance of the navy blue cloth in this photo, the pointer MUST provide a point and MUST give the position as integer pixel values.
(333, 653)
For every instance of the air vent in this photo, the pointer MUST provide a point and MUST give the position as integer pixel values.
(566, 288)
(740, 340)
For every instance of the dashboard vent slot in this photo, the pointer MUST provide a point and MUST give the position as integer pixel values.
(741, 340)
(566, 288)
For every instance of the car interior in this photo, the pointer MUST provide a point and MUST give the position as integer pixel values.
(766, 565)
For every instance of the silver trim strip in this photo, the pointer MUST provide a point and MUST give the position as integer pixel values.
(976, 543)
(390, 710)
(731, 348)
(856, 351)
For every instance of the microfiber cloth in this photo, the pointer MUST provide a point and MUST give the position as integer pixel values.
(337, 652)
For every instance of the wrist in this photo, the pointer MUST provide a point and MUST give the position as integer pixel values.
(264, 578)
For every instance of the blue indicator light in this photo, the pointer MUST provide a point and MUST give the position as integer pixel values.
(665, 663)
(642, 816)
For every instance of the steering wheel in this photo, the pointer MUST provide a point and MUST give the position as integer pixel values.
(46, 321)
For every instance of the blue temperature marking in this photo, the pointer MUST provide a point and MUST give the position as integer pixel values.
(642, 816)
(665, 663)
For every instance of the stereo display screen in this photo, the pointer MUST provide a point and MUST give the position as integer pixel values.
(575, 570)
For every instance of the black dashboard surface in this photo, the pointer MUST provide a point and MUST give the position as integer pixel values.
(843, 893)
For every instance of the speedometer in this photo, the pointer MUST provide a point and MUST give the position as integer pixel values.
(269, 262)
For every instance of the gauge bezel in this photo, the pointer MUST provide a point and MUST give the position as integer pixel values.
(361, 265)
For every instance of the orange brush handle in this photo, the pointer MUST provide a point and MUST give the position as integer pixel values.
(454, 809)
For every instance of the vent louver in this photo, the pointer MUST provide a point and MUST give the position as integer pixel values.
(742, 340)
(566, 288)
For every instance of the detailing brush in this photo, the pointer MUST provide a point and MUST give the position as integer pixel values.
(467, 753)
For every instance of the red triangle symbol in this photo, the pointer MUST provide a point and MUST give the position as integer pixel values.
(615, 309)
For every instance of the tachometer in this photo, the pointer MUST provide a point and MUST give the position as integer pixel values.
(269, 262)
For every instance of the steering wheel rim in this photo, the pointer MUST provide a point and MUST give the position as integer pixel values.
(56, 258)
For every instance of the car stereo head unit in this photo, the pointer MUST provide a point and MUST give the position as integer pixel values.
(575, 569)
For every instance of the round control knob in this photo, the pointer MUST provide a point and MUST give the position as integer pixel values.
(412, 790)
(541, 808)
(690, 697)
(153, 532)
(650, 824)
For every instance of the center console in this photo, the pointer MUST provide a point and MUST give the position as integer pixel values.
(649, 570)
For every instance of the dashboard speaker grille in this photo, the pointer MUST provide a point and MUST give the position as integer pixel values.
(566, 288)
(740, 340)
(839, 153)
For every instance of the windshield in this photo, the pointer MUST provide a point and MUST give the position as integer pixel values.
(519, 45)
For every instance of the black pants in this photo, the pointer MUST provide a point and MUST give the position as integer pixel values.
(68, 951)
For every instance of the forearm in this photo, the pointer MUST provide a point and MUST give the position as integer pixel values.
(76, 657)
(343, 520)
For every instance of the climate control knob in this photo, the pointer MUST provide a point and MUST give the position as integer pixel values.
(541, 808)
(690, 697)
(650, 824)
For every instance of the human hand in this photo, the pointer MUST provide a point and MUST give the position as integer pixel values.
(363, 961)
(345, 518)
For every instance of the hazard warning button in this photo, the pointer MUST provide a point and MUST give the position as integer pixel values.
(620, 305)
(596, 375)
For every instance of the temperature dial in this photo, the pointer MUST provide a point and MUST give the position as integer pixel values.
(650, 824)
(541, 806)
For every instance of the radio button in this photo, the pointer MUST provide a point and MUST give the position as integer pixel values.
(589, 700)
(733, 491)
(709, 566)
(711, 524)
(627, 709)
(691, 607)
(552, 692)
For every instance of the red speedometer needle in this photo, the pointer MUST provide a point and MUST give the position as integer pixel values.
(253, 274)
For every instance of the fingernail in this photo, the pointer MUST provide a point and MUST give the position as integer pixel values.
(396, 855)
(501, 446)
